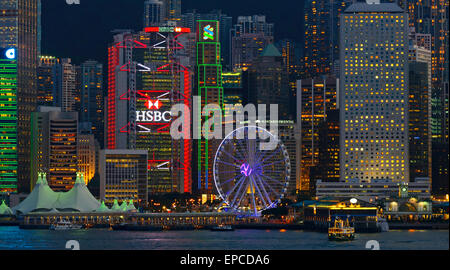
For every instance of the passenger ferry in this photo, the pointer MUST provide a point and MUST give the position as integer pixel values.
(341, 231)
(65, 225)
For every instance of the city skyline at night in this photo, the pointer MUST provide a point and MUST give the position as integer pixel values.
(195, 124)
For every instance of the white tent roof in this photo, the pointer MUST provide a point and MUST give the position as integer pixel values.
(103, 208)
(78, 199)
(41, 198)
(44, 199)
(116, 207)
(4, 209)
(124, 206)
(131, 207)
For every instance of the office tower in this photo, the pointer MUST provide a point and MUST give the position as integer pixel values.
(268, 82)
(68, 82)
(54, 146)
(249, 37)
(289, 136)
(327, 169)
(172, 11)
(234, 92)
(190, 19)
(49, 81)
(153, 13)
(146, 77)
(91, 100)
(8, 120)
(419, 121)
(316, 99)
(19, 29)
(431, 17)
(373, 93)
(86, 153)
(290, 52)
(253, 24)
(321, 46)
(420, 105)
(123, 176)
(210, 90)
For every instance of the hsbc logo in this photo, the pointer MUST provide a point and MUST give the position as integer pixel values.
(153, 104)
(153, 116)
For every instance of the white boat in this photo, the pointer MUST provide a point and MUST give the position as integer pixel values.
(64, 225)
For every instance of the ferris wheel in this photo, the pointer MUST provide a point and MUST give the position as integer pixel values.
(251, 170)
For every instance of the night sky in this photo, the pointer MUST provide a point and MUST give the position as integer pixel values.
(83, 31)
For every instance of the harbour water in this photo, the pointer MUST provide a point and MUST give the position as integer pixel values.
(13, 238)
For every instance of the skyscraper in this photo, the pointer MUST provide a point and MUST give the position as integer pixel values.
(210, 90)
(172, 10)
(54, 146)
(268, 82)
(249, 37)
(68, 77)
(86, 153)
(19, 29)
(316, 98)
(91, 103)
(49, 81)
(146, 77)
(374, 93)
(153, 13)
(190, 19)
(8, 120)
(321, 47)
(419, 121)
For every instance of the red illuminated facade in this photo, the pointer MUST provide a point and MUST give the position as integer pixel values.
(146, 78)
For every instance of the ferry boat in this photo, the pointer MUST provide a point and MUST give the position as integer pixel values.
(222, 228)
(341, 231)
(65, 225)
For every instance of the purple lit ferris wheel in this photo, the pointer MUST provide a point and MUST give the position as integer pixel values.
(251, 170)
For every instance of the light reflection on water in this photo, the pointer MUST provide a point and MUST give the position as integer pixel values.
(98, 239)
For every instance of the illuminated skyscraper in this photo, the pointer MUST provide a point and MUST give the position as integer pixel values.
(8, 120)
(172, 10)
(19, 29)
(316, 98)
(374, 93)
(68, 93)
(190, 19)
(54, 146)
(249, 37)
(210, 90)
(146, 77)
(432, 17)
(86, 153)
(328, 166)
(153, 13)
(268, 82)
(321, 47)
(91, 103)
(49, 83)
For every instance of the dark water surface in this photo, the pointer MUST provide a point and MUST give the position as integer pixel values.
(99, 239)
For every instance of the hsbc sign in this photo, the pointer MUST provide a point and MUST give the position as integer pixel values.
(153, 115)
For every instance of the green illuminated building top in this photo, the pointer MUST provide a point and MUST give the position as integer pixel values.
(8, 120)
(209, 87)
